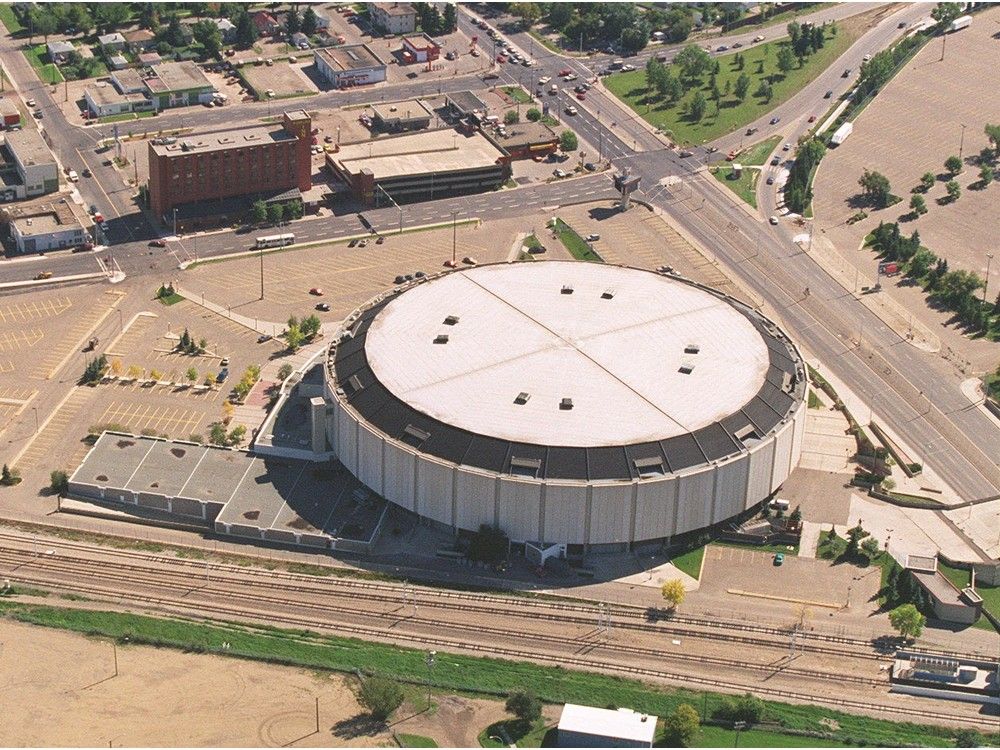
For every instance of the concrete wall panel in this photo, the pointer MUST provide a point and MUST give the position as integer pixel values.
(398, 481)
(370, 458)
(519, 502)
(731, 488)
(475, 495)
(434, 491)
(610, 513)
(694, 500)
(759, 480)
(187, 506)
(782, 455)
(565, 508)
(347, 443)
(656, 507)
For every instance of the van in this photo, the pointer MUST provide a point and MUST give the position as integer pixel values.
(553, 89)
(73, 176)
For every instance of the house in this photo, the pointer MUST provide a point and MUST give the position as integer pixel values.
(265, 23)
(118, 62)
(322, 22)
(59, 51)
(113, 41)
(140, 40)
(420, 48)
(228, 30)
(393, 18)
(149, 59)
(586, 726)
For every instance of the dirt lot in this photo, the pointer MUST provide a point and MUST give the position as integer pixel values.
(61, 692)
(911, 127)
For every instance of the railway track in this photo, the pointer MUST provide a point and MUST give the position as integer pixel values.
(339, 610)
(497, 606)
(495, 650)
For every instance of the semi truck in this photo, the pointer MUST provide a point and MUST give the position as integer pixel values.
(841, 134)
(962, 22)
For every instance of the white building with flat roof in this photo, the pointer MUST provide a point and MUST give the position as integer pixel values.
(586, 726)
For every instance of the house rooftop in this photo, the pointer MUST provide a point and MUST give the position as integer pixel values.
(350, 57)
(177, 76)
(388, 111)
(105, 94)
(395, 9)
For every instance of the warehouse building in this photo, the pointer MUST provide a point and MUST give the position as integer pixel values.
(393, 18)
(422, 166)
(574, 403)
(46, 226)
(398, 117)
(35, 167)
(261, 161)
(352, 65)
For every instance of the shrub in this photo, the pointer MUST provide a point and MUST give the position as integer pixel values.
(682, 725)
(9, 477)
(59, 481)
(525, 706)
(284, 371)
(747, 707)
(381, 696)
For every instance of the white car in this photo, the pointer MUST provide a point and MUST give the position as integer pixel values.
(866, 58)
(543, 80)
(73, 176)
(571, 110)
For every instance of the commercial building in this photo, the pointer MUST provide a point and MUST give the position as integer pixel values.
(397, 117)
(586, 726)
(46, 226)
(34, 163)
(525, 140)
(422, 165)
(351, 65)
(178, 84)
(420, 48)
(10, 115)
(129, 81)
(950, 603)
(256, 162)
(574, 403)
(461, 104)
(393, 18)
(103, 100)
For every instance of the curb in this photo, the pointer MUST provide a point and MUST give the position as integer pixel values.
(31, 283)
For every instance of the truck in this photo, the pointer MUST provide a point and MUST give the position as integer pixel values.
(841, 134)
(962, 22)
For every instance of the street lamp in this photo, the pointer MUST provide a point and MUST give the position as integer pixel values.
(431, 659)
(989, 261)
(961, 143)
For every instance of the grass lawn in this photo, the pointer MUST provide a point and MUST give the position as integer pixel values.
(126, 116)
(519, 95)
(631, 88)
(815, 402)
(712, 736)
(787, 549)
(415, 740)
(508, 728)
(496, 677)
(47, 72)
(992, 385)
(170, 299)
(991, 594)
(690, 562)
(745, 186)
(577, 246)
(758, 154)
(9, 19)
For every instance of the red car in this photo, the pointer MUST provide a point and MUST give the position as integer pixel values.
(316, 291)
(565, 72)
(157, 243)
(98, 219)
(501, 58)
(581, 96)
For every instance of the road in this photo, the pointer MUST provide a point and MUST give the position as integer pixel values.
(915, 393)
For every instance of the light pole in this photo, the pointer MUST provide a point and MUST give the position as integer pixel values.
(961, 142)
(262, 272)
(175, 222)
(986, 286)
(431, 659)
(454, 238)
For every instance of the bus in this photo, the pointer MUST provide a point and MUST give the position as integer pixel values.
(275, 240)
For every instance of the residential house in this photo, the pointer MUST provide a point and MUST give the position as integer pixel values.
(118, 62)
(140, 40)
(59, 51)
(113, 41)
(266, 24)
(149, 59)
(393, 18)
(228, 30)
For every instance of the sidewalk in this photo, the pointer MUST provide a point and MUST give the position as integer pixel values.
(265, 327)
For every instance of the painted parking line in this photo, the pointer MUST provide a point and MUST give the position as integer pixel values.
(74, 334)
(13, 341)
(20, 312)
(61, 423)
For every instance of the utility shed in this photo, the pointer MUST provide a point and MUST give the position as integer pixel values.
(586, 726)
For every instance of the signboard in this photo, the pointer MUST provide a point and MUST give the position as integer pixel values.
(627, 184)
(888, 268)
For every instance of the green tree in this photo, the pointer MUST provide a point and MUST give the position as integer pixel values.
(236, 435)
(854, 536)
(697, 106)
(381, 696)
(908, 621)
(528, 13)
(953, 164)
(918, 205)
(511, 117)
(109, 16)
(43, 23)
(293, 23)
(246, 32)
(294, 209)
(534, 114)
(275, 213)
(993, 134)
(742, 86)
(672, 592)
(870, 547)
(258, 212)
(449, 18)
(945, 13)
(192, 375)
(9, 477)
(966, 737)
(59, 481)
(986, 174)
(310, 326)
(786, 58)
(876, 187)
(525, 706)
(560, 14)
(954, 190)
(309, 22)
(284, 371)
(489, 545)
(682, 725)
(207, 34)
(173, 34)
(149, 16)
(217, 435)
(747, 708)
(294, 338)
(693, 62)
(927, 181)
(568, 141)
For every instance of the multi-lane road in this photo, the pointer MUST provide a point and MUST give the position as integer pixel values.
(915, 393)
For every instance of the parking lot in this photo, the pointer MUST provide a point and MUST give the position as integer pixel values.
(285, 79)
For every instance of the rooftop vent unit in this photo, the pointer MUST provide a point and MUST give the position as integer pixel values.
(692, 349)
(608, 294)
(354, 384)
(451, 320)
(522, 398)
(747, 434)
(525, 467)
(649, 467)
(567, 289)
(441, 338)
(686, 369)
(787, 382)
(414, 436)
(566, 404)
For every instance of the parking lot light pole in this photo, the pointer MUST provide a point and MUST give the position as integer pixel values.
(431, 659)
(986, 285)
(262, 272)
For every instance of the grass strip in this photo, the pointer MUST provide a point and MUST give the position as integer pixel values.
(470, 674)
(578, 247)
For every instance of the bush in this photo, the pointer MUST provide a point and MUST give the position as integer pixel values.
(525, 706)
(747, 707)
(533, 114)
(682, 725)
(284, 371)
(489, 544)
(381, 696)
(94, 370)
(9, 477)
(59, 481)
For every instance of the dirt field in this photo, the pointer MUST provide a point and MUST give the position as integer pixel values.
(61, 692)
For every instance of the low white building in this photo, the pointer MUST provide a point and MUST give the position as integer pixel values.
(352, 65)
(393, 18)
(586, 726)
(104, 100)
(59, 51)
(52, 227)
(112, 41)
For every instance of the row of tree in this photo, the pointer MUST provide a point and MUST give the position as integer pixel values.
(798, 188)
(275, 213)
(301, 332)
(432, 21)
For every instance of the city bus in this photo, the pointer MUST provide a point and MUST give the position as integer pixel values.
(275, 240)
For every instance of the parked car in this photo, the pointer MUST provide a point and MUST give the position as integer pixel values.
(787, 147)
(87, 173)
(43, 275)
(812, 118)
(316, 291)
(751, 131)
(223, 374)
(263, 338)
(30, 102)
(779, 558)
(419, 274)
(581, 96)
(775, 120)
(770, 180)
(323, 307)
(774, 221)
(828, 94)
(157, 243)
(775, 161)
(593, 237)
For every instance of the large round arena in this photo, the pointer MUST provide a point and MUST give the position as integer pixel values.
(566, 402)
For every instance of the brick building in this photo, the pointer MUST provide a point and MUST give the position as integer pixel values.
(251, 163)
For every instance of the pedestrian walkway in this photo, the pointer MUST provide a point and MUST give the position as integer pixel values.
(265, 327)
(809, 540)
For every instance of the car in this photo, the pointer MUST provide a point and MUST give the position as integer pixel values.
(866, 58)
(451, 56)
(751, 131)
(774, 221)
(501, 58)
(812, 118)
(413, 75)
(30, 102)
(828, 94)
(787, 147)
(323, 307)
(487, 77)
(37, 114)
(400, 279)
(43, 275)
(722, 48)
(363, 243)
(758, 38)
(328, 139)
(543, 80)
(93, 209)
(737, 45)
(157, 243)
(408, 277)
(572, 77)
(779, 558)
(474, 52)
(87, 173)
(901, 25)
(98, 218)
(571, 110)
(263, 338)
(565, 72)
(380, 240)
(419, 274)
(469, 260)
(581, 96)
(846, 73)
(580, 88)
(527, 63)
(316, 291)
(593, 237)
(770, 180)
(775, 120)
(558, 173)
(450, 263)
(224, 362)
(223, 374)
(775, 161)
(731, 155)
(590, 166)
